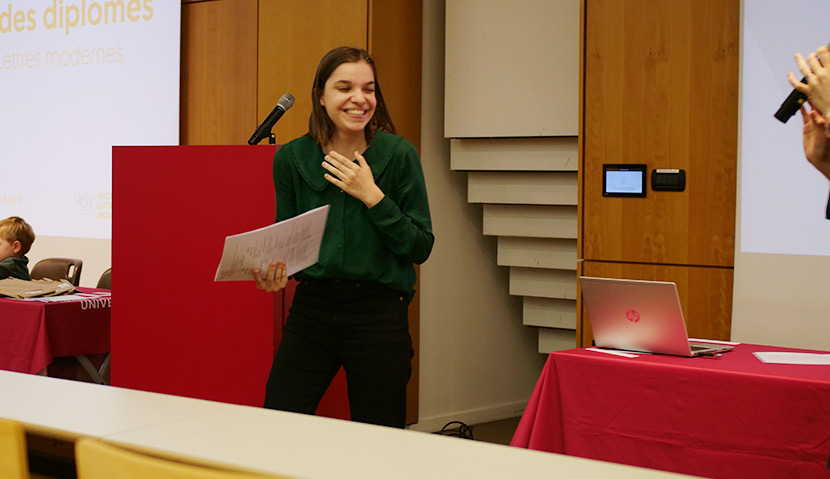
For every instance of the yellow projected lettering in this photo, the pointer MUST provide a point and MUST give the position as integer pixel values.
(69, 14)
(105, 205)
(18, 61)
(12, 200)
(84, 56)
(91, 12)
(17, 20)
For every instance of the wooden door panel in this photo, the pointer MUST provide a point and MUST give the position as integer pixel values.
(705, 294)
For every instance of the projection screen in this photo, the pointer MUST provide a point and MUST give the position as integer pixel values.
(79, 76)
(782, 266)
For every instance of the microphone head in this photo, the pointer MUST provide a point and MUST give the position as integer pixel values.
(286, 101)
(791, 105)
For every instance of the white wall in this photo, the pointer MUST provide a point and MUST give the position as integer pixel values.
(95, 253)
(782, 262)
(511, 71)
(478, 363)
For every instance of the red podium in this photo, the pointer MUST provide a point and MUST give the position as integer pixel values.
(175, 330)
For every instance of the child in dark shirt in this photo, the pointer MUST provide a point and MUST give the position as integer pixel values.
(16, 237)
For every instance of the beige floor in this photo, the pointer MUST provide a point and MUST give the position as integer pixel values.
(498, 432)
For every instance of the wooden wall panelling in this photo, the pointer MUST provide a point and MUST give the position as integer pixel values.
(293, 37)
(661, 88)
(395, 29)
(240, 56)
(580, 148)
(218, 72)
(581, 320)
(705, 294)
(395, 42)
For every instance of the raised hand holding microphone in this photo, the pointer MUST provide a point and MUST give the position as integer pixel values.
(816, 83)
(816, 88)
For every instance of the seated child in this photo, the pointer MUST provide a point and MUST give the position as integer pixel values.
(16, 237)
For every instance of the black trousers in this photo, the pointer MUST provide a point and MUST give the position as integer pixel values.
(361, 326)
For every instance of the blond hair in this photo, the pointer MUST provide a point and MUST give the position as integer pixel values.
(15, 228)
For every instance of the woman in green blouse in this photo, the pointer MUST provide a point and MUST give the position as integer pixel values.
(350, 309)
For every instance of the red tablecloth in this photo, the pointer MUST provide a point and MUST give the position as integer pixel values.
(33, 332)
(727, 417)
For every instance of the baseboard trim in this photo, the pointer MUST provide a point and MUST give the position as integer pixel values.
(471, 417)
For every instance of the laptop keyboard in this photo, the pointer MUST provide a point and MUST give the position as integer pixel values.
(699, 347)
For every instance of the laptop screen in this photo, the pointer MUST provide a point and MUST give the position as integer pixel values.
(635, 315)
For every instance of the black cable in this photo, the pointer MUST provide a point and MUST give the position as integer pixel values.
(463, 431)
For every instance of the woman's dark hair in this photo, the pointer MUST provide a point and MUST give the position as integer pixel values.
(320, 126)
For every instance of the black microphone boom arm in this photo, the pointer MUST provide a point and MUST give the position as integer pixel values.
(264, 129)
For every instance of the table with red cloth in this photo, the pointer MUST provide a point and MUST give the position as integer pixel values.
(731, 416)
(33, 332)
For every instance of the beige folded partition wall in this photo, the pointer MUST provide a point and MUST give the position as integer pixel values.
(511, 111)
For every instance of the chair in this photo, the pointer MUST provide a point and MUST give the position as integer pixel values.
(99, 375)
(13, 461)
(105, 281)
(96, 459)
(58, 269)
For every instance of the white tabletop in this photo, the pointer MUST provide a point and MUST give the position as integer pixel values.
(273, 441)
(70, 409)
(314, 447)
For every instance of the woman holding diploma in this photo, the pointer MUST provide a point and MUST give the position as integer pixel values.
(350, 309)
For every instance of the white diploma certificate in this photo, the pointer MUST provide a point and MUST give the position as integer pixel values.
(778, 357)
(295, 241)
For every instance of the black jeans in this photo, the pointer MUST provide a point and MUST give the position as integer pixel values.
(361, 326)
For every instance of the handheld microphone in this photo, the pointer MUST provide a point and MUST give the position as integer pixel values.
(791, 104)
(264, 129)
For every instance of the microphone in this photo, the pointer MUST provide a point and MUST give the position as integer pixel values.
(264, 129)
(791, 104)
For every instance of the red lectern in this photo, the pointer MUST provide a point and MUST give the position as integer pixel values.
(175, 330)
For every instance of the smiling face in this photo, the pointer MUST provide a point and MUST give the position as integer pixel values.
(349, 97)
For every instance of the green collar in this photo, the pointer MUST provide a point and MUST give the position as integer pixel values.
(308, 157)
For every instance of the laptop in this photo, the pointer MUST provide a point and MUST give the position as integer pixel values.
(637, 315)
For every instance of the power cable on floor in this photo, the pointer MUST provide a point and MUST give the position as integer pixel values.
(456, 429)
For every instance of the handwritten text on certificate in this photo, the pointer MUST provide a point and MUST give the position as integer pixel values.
(295, 240)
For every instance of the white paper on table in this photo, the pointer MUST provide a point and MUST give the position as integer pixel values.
(613, 352)
(295, 240)
(68, 298)
(778, 357)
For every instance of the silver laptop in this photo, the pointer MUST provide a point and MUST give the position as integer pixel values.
(639, 315)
